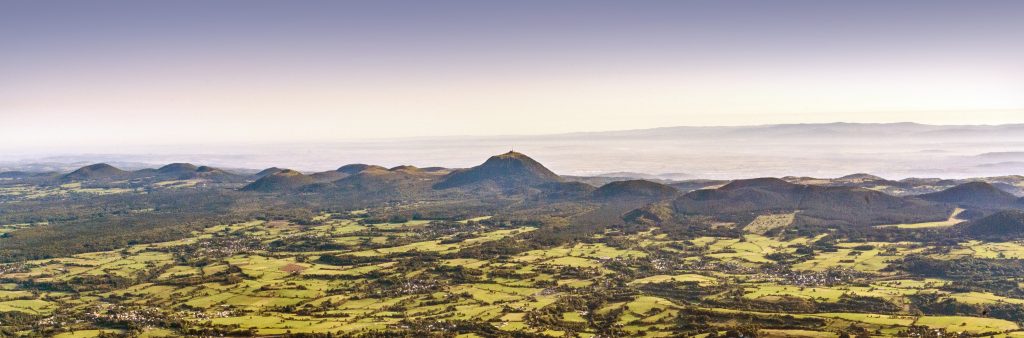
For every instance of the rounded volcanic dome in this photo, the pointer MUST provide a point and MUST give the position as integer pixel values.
(95, 171)
(177, 168)
(285, 179)
(287, 172)
(634, 188)
(508, 170)
(207, 169)
(356, 168)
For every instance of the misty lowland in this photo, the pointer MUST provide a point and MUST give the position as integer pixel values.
(506, 248)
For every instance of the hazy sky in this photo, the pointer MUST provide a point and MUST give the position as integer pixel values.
(78, 73)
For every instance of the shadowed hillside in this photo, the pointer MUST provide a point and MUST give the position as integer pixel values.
(974, 194)
(816, 204)
(267, 172)
(177, 168)
(377, 182)
(328, 176)
(95, 171)
(743, 196)
(1005, 225)
(185, 171)
(286, 179)
(634, 189)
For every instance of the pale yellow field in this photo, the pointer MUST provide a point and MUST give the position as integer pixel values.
(953, 220)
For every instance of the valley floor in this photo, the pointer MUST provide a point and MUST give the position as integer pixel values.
(346, 276)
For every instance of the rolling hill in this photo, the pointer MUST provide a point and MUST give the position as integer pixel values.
(975, 194)
(375, 182)
(352, 169)
(177, 168)
(641, 189)
(283, 180)
(216, 175)
(17, 175)
(1006, 224)
(185, 171)
(816, 204)
(860, 177)
(267, 172)
(95, 172)
(328, 176)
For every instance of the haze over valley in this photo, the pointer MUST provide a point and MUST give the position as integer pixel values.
(894, 151)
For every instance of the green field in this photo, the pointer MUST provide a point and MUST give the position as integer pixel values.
(257, 285)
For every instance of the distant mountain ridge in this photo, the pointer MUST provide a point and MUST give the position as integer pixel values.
(894, 151)
(835, 129)
(855, 199)
(534, 177)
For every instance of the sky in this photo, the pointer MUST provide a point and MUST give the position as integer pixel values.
(111, 73)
